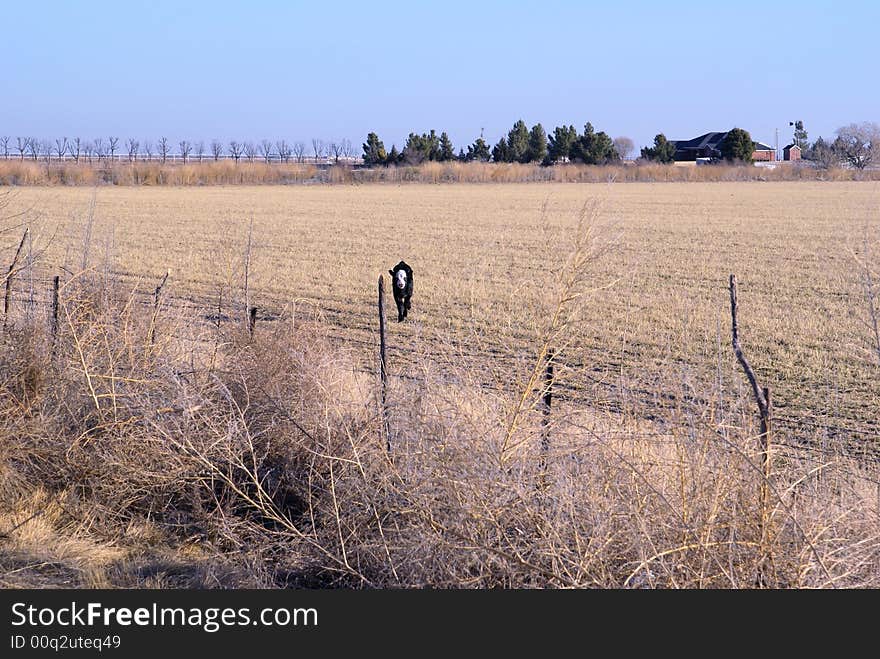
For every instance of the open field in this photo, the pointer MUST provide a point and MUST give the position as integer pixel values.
(654, 462)
(659, 313)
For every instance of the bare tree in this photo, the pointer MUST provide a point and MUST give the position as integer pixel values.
(299, 151)
(100, 149)
(624, 146)
(132, 146)
(235, 149)
(346, 148)
(216, 149)
(114, 146)
(75, 149)
(4, 141)
(283, 149)
(88, 150)
(319, 148)
(858, 144)
(200, 150)
(164, 148)
(34, 147)
(185, 149)
(61, 147)
(266, 150)
(335, 150)
(250, 150)
(21, 143)
(148, 149)
(46, 150)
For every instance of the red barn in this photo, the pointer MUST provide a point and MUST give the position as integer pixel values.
(763, 153)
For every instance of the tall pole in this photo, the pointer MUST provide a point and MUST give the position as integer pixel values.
(383, 365)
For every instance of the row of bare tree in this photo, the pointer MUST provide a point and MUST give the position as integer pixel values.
(77, 150)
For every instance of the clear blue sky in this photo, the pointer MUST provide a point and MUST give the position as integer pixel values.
(333, 69)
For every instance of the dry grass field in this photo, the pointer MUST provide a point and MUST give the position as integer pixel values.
(653, 463)
(658, 308)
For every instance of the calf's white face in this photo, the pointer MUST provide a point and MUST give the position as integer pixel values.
(400, 279)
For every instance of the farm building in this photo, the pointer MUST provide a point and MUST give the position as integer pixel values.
(791, 152)
(764, 152)
(709, 146)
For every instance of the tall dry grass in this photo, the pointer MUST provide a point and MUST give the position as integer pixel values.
(227, 172)
(223, 172)
(196, 454)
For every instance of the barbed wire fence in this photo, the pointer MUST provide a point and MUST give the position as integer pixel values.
(33, 294)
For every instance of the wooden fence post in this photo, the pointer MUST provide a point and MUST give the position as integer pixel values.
(56, 282)
(548, 402)
(7, 299)
(383, 364)
(252, 320)
(762, 398)
(157, 296)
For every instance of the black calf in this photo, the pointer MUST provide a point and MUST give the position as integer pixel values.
(402, 285)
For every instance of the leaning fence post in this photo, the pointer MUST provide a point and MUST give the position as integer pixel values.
(383, 364)
(762, 398)
(9, 273)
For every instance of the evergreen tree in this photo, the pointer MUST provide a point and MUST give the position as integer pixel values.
(462, 157)
(428, 144)
(374, 150)
(560, 143)
(445, 149)
(432, 145)
(394, 156)
(420, 148)
(413, 151)
(594, 148)
(479, 150)
(537, 150)
(518, 142)
(737, 146)
(662, 151)
(822, 153)
(800, 135)
(501, 152)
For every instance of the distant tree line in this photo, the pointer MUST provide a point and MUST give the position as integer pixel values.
(855, 145)
(521, 144)
(162, 149)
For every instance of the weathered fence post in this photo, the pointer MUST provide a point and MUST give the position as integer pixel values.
(219, 306)
(9, 273)
(252, 320)
(383, 364)
(157, 296)
(56, 282)
(547, 403)
(762, 398)
(765, 463)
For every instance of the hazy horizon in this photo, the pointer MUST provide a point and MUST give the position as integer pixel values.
(295, 71)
